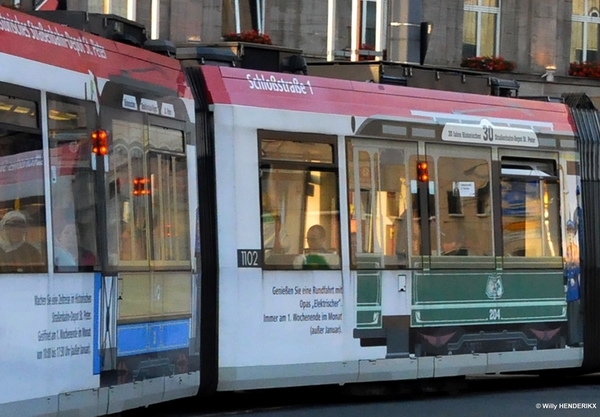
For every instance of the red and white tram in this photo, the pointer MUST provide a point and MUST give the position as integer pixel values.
(262, 230)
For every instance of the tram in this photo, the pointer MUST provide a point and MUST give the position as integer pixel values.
(193, 228)
(450, 227)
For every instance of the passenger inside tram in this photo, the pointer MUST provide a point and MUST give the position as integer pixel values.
(316, 256)
(16, 253)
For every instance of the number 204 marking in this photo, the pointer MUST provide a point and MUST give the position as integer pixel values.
(494, 314)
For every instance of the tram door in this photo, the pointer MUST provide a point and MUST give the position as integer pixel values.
(148, 288)
(384, 227)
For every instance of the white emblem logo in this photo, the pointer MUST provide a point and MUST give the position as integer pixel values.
(494, 288)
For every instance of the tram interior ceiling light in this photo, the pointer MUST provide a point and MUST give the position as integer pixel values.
(61, 116)
(21, 110)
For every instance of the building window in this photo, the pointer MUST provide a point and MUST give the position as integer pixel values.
(368, 23)
(481, 28)
(585, 30)
(128, 9)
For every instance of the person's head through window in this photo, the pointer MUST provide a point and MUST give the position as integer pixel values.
(14, 230)
(17, 255)
(315, 239)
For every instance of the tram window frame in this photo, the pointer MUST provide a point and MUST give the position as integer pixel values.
(86, 258)
(29, 211)
(540, 171)
(283, 242)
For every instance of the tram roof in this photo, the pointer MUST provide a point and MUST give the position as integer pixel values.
(236, 86)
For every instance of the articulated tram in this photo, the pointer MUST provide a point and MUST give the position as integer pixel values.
(170, 230)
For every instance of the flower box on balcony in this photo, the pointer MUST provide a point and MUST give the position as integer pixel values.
(488, 63)
(587, 69)
(250, 36)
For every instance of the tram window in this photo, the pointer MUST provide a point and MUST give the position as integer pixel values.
(465, 224)
(169, 199)
(300, 218)
(127, 211)
(148, 204)
(299, 201)
(530, 210)
(384, 233)
(164, 139)
(22, 207)
(72, 185)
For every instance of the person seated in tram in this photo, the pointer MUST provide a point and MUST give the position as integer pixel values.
(16, 254)
(316, 256)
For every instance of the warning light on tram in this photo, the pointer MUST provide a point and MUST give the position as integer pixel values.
(141, 186)
(422, 172)
(99, 144)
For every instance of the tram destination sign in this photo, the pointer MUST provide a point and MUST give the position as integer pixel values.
(250, 258)
(485, 132)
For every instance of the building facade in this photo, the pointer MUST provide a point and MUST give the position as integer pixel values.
(541, 37)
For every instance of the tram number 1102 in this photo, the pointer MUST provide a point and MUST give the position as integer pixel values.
(249, 258)
(494, 314)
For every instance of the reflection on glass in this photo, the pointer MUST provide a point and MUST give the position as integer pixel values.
(300, 218)
(576, 42)
(285, 150)
(465, 223)
(469, 34)
(479, 27)
(592, 42)
(22, 209)
(127, 212)
(379, 187)
(579, 7)
(488, 34)
(169, 196)
(530, 218)
(17, 111)
(73, 202)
